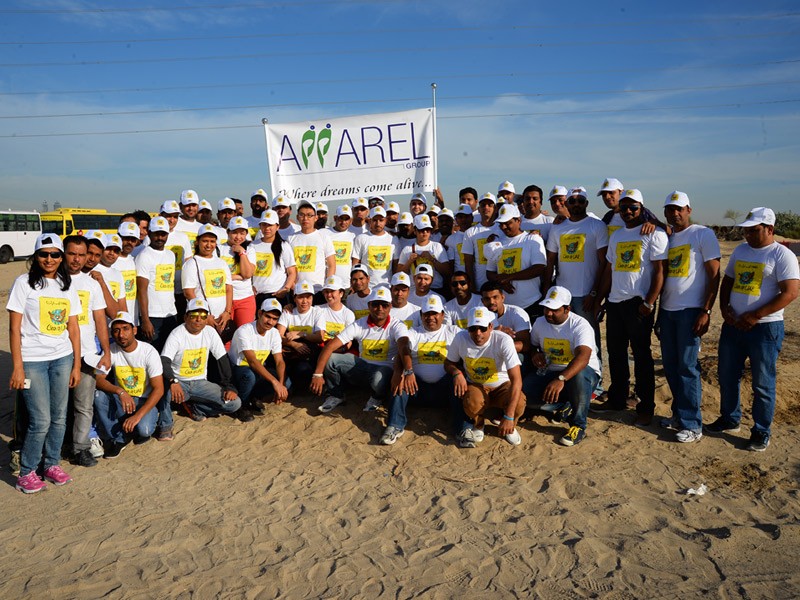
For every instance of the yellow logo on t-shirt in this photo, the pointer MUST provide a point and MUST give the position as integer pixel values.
(129, 277)
(629, 257)
(304, 329)
(379, 258)
(177, 250)
(113, 287)
(510, 261)
(253, 231)
(342, 250)
(305, 258)
(375, 350)
(572, 245)
(332, 329)
(261, 356)
(53, 315)
(214, 283)
(432, 353)
(481, 258)
(460, 253)
(558, 351)
(481, 370)
(612, 229)
(83, 318)
(361, 313)
(462, 323)
(192, 235)
(748, 277)
(678, 264)
(131, 379)
(264, 263)
(193, 362)
(165, 278)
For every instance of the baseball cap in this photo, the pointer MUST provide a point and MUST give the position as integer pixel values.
(377, 211)
(557, 297)
(433, 304)
(405, 219)
(378, 198)
(480, 317)
(759, 216)
(123, 317)
(422, 222)
(270, 217)
(506, 186)
(49, 240)
(271, 305)
(424, 269)
(206, 229)
(226, 204)
(380, 294)
(281, 200)
(446, 212)
(677, 198)
(159, 224)
(633, 194)
(189, 197)
(361, 268)
(205, 205)
(96, 234)
(508, 212)
(558, 190)
(401, 279)
(321, 207)
(303, 287)
(421, 197)
(334, 282)
(464, 209)
(170, 207)
(611, 185)
(359, 203)
(488, 196)
(344, 210)
(128, 229)
(393, 207)
(112, 239)
(578, 191)
(306, 203)
(434, 209)
(238, 223)
(259, 192)
(197, 304)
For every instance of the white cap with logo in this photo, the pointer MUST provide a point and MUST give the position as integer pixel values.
(433, 303)
(269, 217)
(207, 229)
(423, 222)
(401, 279)
(49, 240)
(189, 197)
(480, 317)
(197, 304)
(122, 317)
(170, 207)
(281, 200)
(377, 211)
(611, 185)
(506, 186)
(238, 223)
(205, 205)
(393, 207)
(344, 210)
(128, 229)
(759, 216)
(558, 190)
(159, 224)
(303, 287)
(226, 204)
(405, 219)
(508, 212)
(677, 198)
(424, 269)
(633, 194)
(557, 297)
(380, 294)
(334, 282)
(271, 305)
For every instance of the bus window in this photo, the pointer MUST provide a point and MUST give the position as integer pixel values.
(102, 221)
(52, 226)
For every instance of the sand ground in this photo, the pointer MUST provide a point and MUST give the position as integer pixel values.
(302, 505)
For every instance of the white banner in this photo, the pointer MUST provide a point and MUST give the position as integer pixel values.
(366, 155)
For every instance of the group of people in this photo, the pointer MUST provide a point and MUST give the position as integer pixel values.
(493, 312)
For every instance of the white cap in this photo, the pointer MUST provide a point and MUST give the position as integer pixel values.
(432, 304)
(446, 212)
(128, 229)
(206, 229)
(380, 198)
(49, 240)
(423, 222)
(306, 203)
(424, 269)
(270, 217)
(226, 204)
(321, 207)
(464, 209)
(303, 287)
(271, 305)
(507, 212)
(405, 219)
(677, 198)
(170, 207)
(401, 279)
(197, 304)
(96, 234)
(124, 317)
(112, 239)
(759, 216)
(419, 196)
(189, 197)
(359, 268)
(238, 223)
(558, 190)
(344, 209)
(557, 297)
(281, 200)
(434, 209)
(506, 186)
(359, 203)
(491, 250)
(334, 282)
(259, 192)
(578, 191)
(480, 317)
(377, 211)
(488, 196)
(159, 224)
(380, 293)
(205, 205)
(633, 194)
(611, 185)
(393, 207)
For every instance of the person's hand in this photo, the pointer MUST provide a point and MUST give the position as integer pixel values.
(588, 303)
(127, 402)
(292, 336)
(507, 330)
(728, 315)
(105, 362)
(460, 385)
(229, 396)
(508, 287)
(645, 311)
(131, 422)
(701, 324)
(539, 360)
(222, 320)
(301, 348)
(410, 384)
(17, 381)
(647, 227)
(75, 377)
(317, 385)
(281, 393)
(236, 248)
(552, 391)
(177, 393)
(281, 293)
(437, 193)
(147, 329)
(505, 426)
(747, 321)
(96, 276)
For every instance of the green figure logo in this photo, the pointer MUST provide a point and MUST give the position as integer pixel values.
(320, 141)
(747, 277)
(627, 256)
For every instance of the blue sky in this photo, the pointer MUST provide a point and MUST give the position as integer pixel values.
(700, 97)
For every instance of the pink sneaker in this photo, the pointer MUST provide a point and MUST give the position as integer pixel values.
(56, 475)
(30, 483)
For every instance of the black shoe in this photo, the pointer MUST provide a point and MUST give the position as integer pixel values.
(114, 449)
(722, 426)
(257, 407)
(84, 458)
(244, 415)
(758, 442)
(140, 439)
(606, 406)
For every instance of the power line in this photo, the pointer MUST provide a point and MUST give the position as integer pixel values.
(448, 117)
(143, 9)
(402, 78)
(392, 100)
(372, 51)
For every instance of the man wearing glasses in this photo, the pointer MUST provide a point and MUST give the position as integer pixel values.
(457, 310)
(632, 281)
(314, 254)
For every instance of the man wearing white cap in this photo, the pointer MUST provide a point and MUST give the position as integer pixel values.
(126, 264)
(226, 210)
(509, 318)
(405, 235)
(296, 329)
(632, 281)
(474, 258)
(112, 247)
(392, 214)
(205, 214)
(558, 202)
(402, 309)
(426, 382)
(342, 239)
(258, 204)
(761, 279)
(155, 287)
(690, 289)
(520, 263)
(454, 244)
(360, 211)
(180, 245)
(417, 204)
(360, 291)
(563, 346)
(533, 219)
(611, 192)
(463, 301)
(314, 255)
(188, 223)
(425, 252)
(95, 245)
(507, 192)
(446, 225)
(375, 250)
(423, 279)
(380, 339)
(322, 215)
(127, 397)
(486, 375)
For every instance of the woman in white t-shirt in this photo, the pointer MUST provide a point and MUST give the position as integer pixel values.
(275, 273)
(46, 358)
(241, 261)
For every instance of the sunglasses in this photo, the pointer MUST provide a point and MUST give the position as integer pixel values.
(197, 316)
(43, 254)
(458, 283)
(578, 200)
(478, 328)
(629, 208)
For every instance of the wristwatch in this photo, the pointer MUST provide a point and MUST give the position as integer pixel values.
(562, 378)
(408, 372)
(707, 311)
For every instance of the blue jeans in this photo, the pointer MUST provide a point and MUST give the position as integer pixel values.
(46, 401)
(761, 345)
(626, 327)
(111, 416)
(249, 384)
(576, 306)
(577, 392)
(356, 371)
(680, 348)
(205, 399)
(439, 393)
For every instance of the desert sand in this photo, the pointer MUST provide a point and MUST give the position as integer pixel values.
(303, 505)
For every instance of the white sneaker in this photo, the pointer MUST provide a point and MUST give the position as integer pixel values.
(477, 434)
(330, 403)
(372, 404)
(687, 436)
(391, 434)
(514, 438)
(466, 439)
(96, 447)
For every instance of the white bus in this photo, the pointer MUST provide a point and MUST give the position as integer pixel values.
(18, 232)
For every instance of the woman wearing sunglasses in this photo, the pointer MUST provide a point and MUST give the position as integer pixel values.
(45, 352)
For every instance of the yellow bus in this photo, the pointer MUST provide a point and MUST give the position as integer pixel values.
(66, 221)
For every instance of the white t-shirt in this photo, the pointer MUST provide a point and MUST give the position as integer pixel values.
(576, 244)
(419, 301)
(756, 273)
(454, 246)
(437, 251)
(406, 314)
(540, 225)
(310, 252)
(285, 232)
(247, 337)
(473, 245)
(269, 277)
(357, 304)
(685, 280)
(558, 342)
(458, 314)
(209, 278)
(188, 353)
(178, 243)
(91, 297)
(514, 317)
(190, 228)
(615, 223)
(630, 255)
(126, 267)
(295, 321)
(429, 349)
(401, 243)
(242, 288)
(45, 312)
(376, 253)
(517, 254)
(485, 365)
(133, 371)
(113, 280)
(358, 230)
(343, 249)
(332, 322)
(158, 267)
(377, 345)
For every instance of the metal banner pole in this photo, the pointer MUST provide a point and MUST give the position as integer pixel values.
(435, 141)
